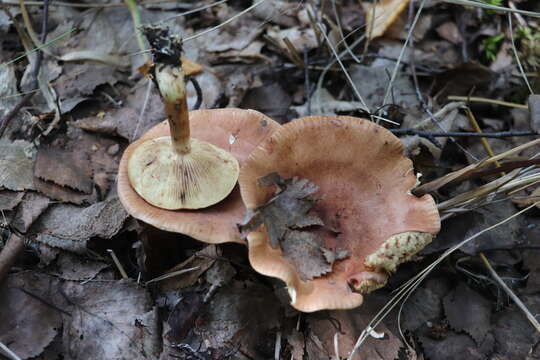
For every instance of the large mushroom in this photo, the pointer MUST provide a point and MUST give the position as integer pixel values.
(181, 175)
(364, 182)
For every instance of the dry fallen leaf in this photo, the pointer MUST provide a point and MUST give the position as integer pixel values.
(111, 320)
(16, 162)
(284, 216)
(468, 311)
(380, 15)
(69, 227)
(28, 325)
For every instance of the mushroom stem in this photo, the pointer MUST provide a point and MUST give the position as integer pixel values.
(173, 90)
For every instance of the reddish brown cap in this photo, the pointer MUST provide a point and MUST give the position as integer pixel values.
(365, 182)
(234, 130)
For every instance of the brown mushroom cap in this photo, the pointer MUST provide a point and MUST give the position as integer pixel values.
(365, 182)
(234, 130)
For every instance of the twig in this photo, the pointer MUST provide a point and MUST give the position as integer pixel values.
(521, 70)
(493, 7)
(35, 71)
(510, 293)
(353, 86)
(486, 100)
(496, 135)
(118, 264)
(402, 53)
(232, 18)
(9, 254)
(10, 354)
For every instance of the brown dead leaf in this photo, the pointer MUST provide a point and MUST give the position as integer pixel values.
(16, 162)
(111, 320)
(201, 261)
(454, 346)
(450, 32)
(297, 342)
(29, 210)
(287, 210)
(284, 216)
(468, 311)
(69, 227)
(65, 168)
(348, 325)
(77, 268)
(28, 325)
(380, 15)
(10, 199)
(79, 168)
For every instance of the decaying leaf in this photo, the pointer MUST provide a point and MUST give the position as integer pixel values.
(10, 199)
(287, 210)
(28, 325)
(323, 103)
(16, 162)
(380, 15)
(65, 168)
(284, 216)
(112, 320)
(348, 325)
(70, 227)
(72, 267)
(32, 206)
(468, 311)
(423, 305)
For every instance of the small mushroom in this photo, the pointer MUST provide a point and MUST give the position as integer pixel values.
(365, 184)
(190, 162)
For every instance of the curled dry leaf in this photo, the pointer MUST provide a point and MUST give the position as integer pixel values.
(381, 15)
(70, 227)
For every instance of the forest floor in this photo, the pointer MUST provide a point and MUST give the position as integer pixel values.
(88, 282)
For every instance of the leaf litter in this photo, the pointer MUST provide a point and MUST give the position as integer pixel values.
(58, 187)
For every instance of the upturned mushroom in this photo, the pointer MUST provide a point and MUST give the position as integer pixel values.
(364, 183)
(180, 174)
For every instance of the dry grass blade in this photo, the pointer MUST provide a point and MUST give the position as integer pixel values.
(172, 274)
(468, 170)
(485, 5)
(8, 353)
(510, 293)
(232, 18)
(405, 290)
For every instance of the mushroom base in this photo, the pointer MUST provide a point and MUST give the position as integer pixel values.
(196, 180)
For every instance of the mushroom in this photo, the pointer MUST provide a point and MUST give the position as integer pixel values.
(177, 171)
(190, 162)
(365, 185)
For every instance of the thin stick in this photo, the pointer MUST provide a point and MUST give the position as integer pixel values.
(8, 352)
(517, 55)
(510, 293)
(494, 135)
(225, 22)
(9, 254)
(402, 53)
(356, 92)
(493, 7)
(118, 264)
(486, 100)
